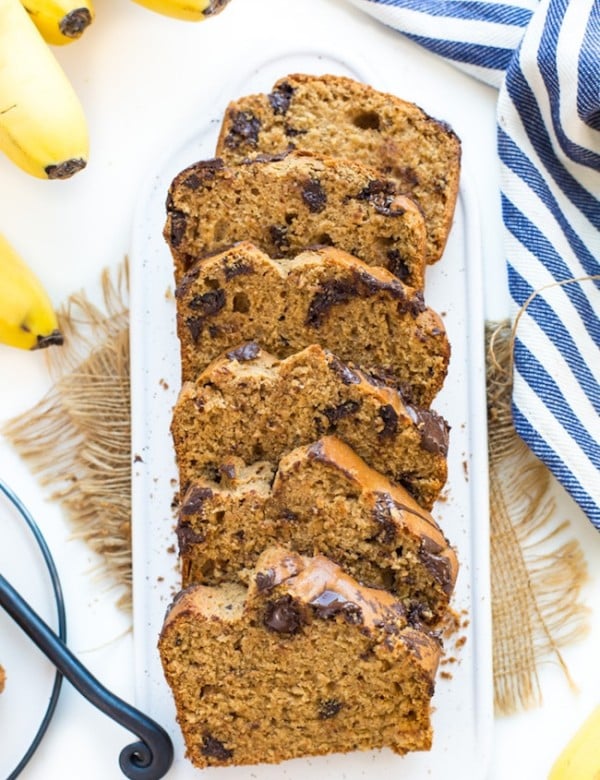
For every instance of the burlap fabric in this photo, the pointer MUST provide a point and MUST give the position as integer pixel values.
(77, 440)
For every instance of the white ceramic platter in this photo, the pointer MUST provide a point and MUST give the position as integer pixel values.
(463, 699)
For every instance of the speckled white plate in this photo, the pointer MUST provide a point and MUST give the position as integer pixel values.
(463, 699)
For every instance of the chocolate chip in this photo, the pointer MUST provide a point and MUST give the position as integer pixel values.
(438, 565)
(206, 169)
(314, 196)
(279, 237)
(329, 708)
(382, 514)
(283, 615)
(433, 428)
(208, 303)
(381, 193)
(281, 97)
(396, 265)
(214, 748)
(194, 500)
(345, 373)
(331, 293)
(390, 421)
(245, 352)
(329, 603)
(237, 268)
(178, 226)
(245, 127)
(192, 182)
(265, 580)
(335, 413)
(188, 538)
(292, 132)
(264, 157)
(194, 325)
(408, 176)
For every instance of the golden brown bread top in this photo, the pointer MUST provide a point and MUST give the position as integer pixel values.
(317, 585)
(332, 450)
(322, 584)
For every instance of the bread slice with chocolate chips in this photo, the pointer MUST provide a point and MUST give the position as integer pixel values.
(304, 662)
(249, 404)
(288, 203)
(323, 296)
(338, 116)
(319, 499)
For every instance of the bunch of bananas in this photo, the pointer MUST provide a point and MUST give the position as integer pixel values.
(43, 130)
(42, 124)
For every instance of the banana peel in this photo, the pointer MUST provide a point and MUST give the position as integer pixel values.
(27, 317)
(580, 760)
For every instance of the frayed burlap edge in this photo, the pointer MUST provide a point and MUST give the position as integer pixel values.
(77, 440)
(537, 573)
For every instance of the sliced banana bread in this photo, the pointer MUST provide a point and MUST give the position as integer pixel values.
(287, 203)
(249, 404)
(304, 662)
(320, 498)
(323, 296)
(338, 116)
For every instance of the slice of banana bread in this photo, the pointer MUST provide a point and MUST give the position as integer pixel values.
(323, 296)
(249, 404)
(338, 116)
(304, 662)
(321, 498)
(287, 203)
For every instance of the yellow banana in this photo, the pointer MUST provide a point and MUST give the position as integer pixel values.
(188, 10)
(27, 319)
(580, 760)
(60, 21)
(42, 124)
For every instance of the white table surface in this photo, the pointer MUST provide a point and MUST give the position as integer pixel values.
(138, 75)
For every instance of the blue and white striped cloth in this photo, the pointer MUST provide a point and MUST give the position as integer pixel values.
(545, 59)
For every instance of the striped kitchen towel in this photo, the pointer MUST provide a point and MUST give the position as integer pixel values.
(545, 59)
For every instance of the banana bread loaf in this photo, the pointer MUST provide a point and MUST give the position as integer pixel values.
(249, 404)
(323, 296)
(320, 498)
(338, 116)
(306, 661)
(287, 203)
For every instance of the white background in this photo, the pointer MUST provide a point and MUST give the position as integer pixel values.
(139, 76)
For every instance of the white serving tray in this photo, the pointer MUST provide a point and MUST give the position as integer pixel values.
(463, 700)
